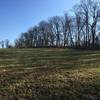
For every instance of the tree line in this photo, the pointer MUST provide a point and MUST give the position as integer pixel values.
(80, 28)
(5, 44)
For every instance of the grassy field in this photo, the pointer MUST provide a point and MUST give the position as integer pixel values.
(49, 74)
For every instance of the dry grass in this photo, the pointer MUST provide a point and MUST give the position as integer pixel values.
(49, 74)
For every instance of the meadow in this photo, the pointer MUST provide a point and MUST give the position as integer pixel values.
(49, 74)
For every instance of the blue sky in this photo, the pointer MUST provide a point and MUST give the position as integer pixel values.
(17, 16)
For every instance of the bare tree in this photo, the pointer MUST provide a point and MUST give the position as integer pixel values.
(7, 43)
(2, 44)
(57, 27)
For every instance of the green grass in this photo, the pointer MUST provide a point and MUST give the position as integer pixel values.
(49, 74)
